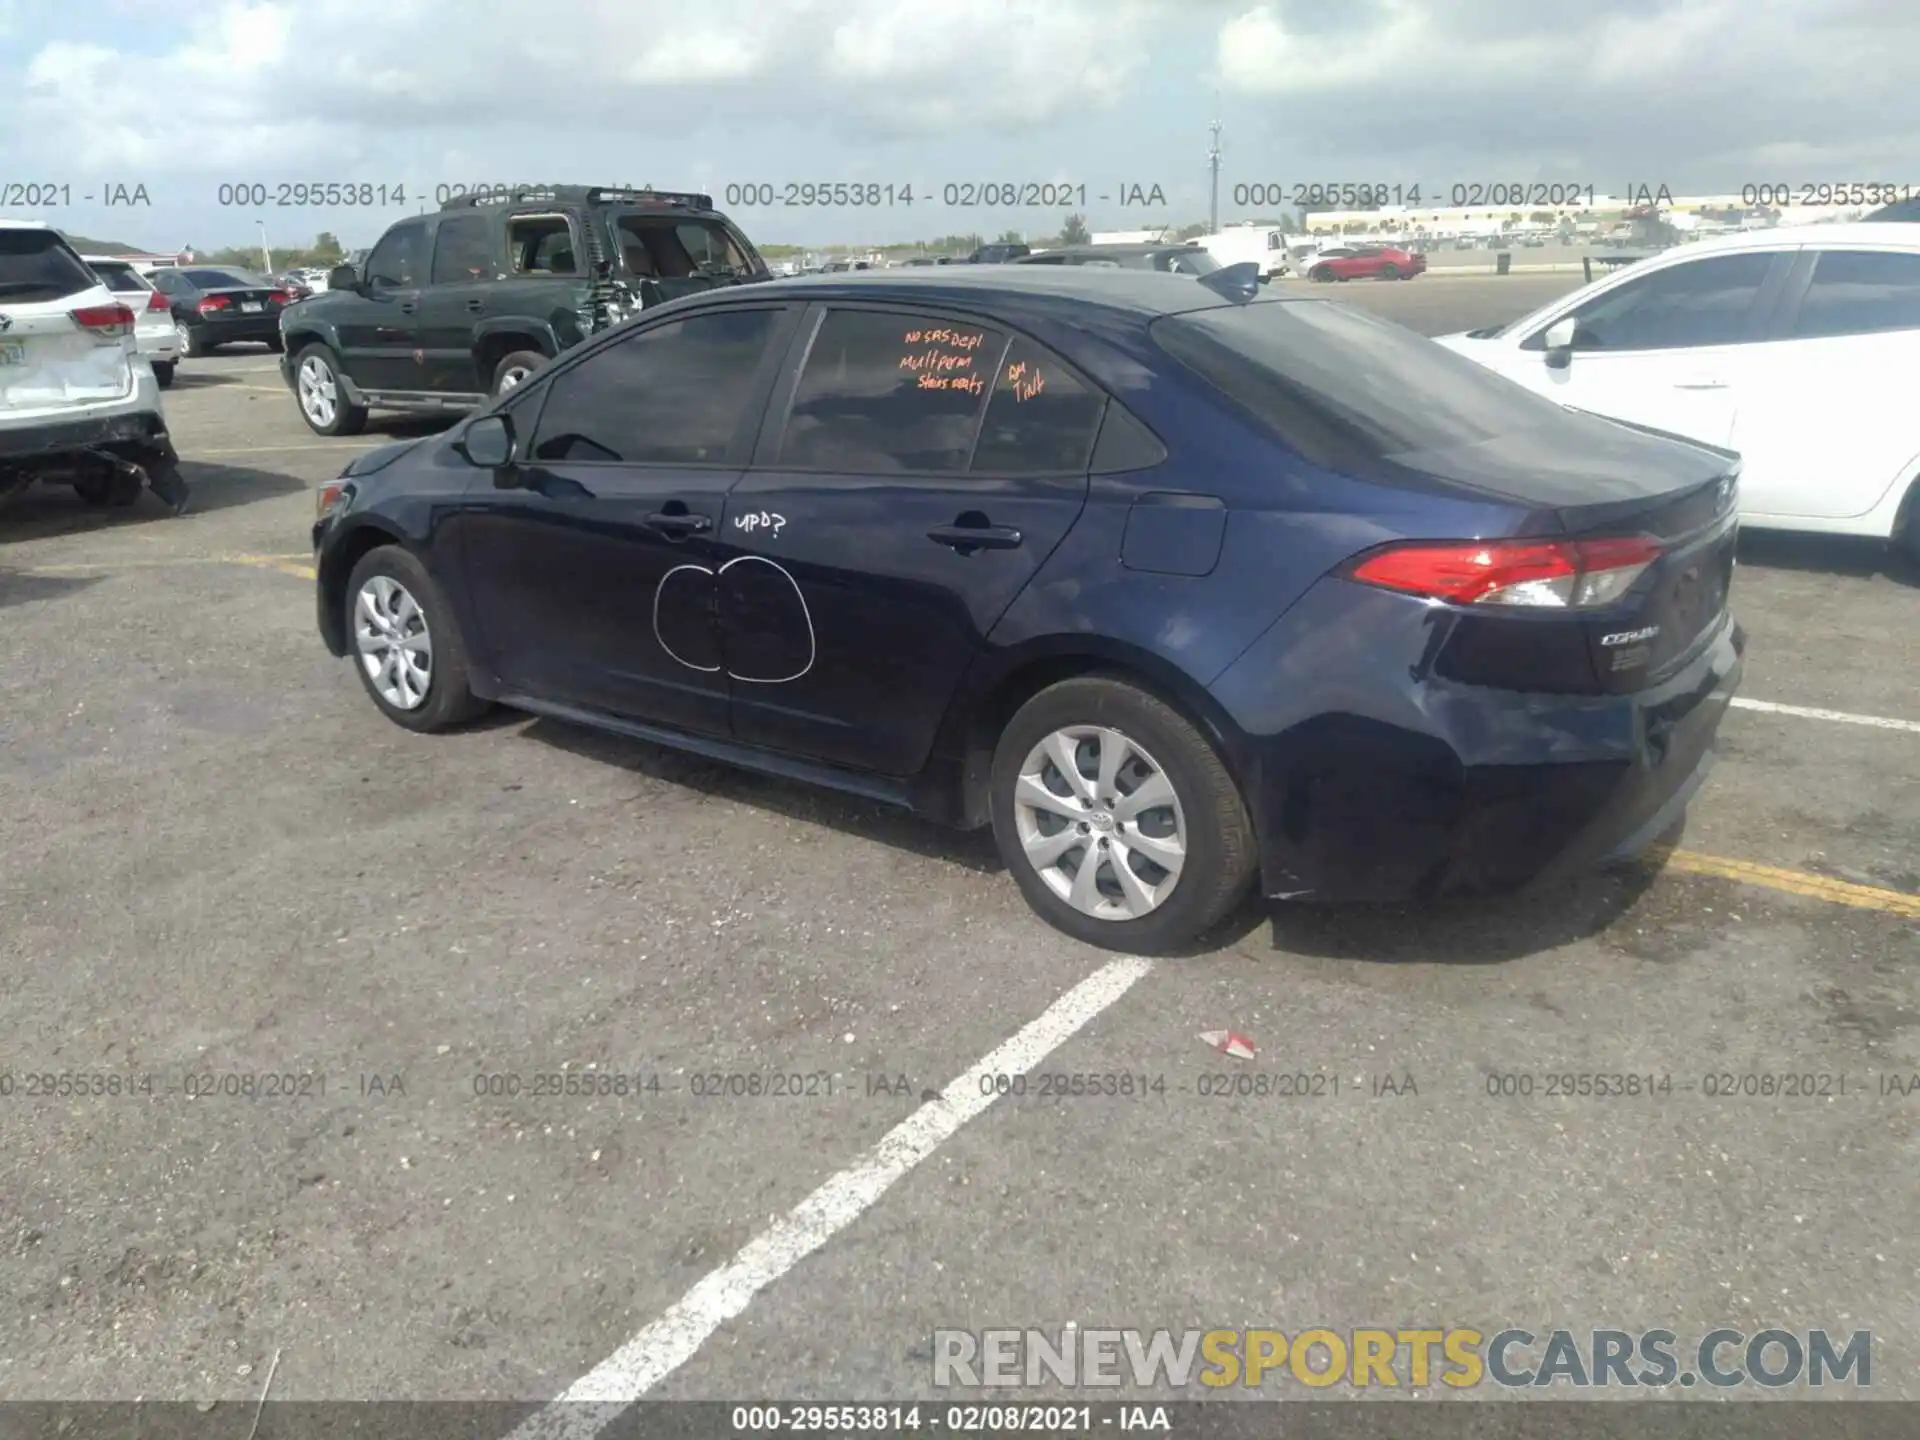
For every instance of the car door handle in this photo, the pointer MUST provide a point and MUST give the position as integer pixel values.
(1701, 382)
(678, 524)
(476, 306)
(407, 307)
(976, 537)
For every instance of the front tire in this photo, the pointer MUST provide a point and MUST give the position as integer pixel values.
(406, 648)
(277, 344)
(321, 397)
(1320, 273)
(1117, 818)
(1389, 272)
(514, 369)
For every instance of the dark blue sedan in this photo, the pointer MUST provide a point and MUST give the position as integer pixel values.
(1175, 587)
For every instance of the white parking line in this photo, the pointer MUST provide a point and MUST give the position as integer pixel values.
(594, 1401)
(1804, 712)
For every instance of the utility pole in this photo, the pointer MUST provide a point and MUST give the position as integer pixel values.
(1213, 166)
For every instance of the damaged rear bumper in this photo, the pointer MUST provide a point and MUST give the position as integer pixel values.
(138, 436)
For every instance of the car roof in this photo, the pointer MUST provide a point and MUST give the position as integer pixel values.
(1144, 293)
(12, 224)
(1852, 232)
(1122, 247)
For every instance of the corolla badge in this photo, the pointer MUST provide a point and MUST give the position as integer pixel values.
(770, 630)
(1628, 637)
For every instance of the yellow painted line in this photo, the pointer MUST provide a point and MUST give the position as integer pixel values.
(1792, 882)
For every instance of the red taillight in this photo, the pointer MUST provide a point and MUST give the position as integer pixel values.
(1564, 574)
(106, 321)
(285, 297)
(212, 302)
(156, 302)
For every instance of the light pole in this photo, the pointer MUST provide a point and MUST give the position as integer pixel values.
(266, 255)
(1213, 166)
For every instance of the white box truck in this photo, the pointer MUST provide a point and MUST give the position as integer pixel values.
(1264, 245)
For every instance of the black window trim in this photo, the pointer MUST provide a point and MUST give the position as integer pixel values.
(1793, 294)
(1761, 316)
(433, 249)
(575, 232)
(427, 229)
(533, 395)
(780, 406)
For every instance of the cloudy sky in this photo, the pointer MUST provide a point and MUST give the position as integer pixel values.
(415, 95)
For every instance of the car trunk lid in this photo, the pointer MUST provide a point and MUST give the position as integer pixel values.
(236, 300)
(50, 361)
(1598, 482)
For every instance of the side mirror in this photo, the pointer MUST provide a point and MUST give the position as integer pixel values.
(343, 277)
(1559, 338)
(488, 442)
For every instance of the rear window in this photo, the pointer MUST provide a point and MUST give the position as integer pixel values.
(121, 279)
(1333, 382)
(37, 265)
(657, 247)
(221, 279)
(1184, 261)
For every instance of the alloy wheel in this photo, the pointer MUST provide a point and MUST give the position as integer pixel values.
(1100, 823)
(390, 631)
(319, 394)
(510, 378)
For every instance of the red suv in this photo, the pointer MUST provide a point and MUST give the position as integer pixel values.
(1382, 262)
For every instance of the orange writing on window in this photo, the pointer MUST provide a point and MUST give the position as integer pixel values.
(1025, 380)
(971, 384)
(936, 361)
(958, 339)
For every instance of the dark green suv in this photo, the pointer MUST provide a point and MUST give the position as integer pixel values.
(452, 308)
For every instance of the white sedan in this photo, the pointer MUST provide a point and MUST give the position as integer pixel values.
(153, 330)
(1796, 347)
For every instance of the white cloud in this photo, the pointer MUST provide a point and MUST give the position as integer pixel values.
(267, 83)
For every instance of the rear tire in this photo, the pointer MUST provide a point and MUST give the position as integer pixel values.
(163, 372)
(1205, 816)
(1910, 539)
(277, 344)
(191, 345)
(402, 604)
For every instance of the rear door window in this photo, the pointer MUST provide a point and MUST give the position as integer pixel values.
(890, 393)
(1860, 292)
(38, 266)
(1041, 418)
(1335, 382)
(462, 249)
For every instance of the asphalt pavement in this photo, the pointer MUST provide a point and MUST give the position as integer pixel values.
(460, 1052)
